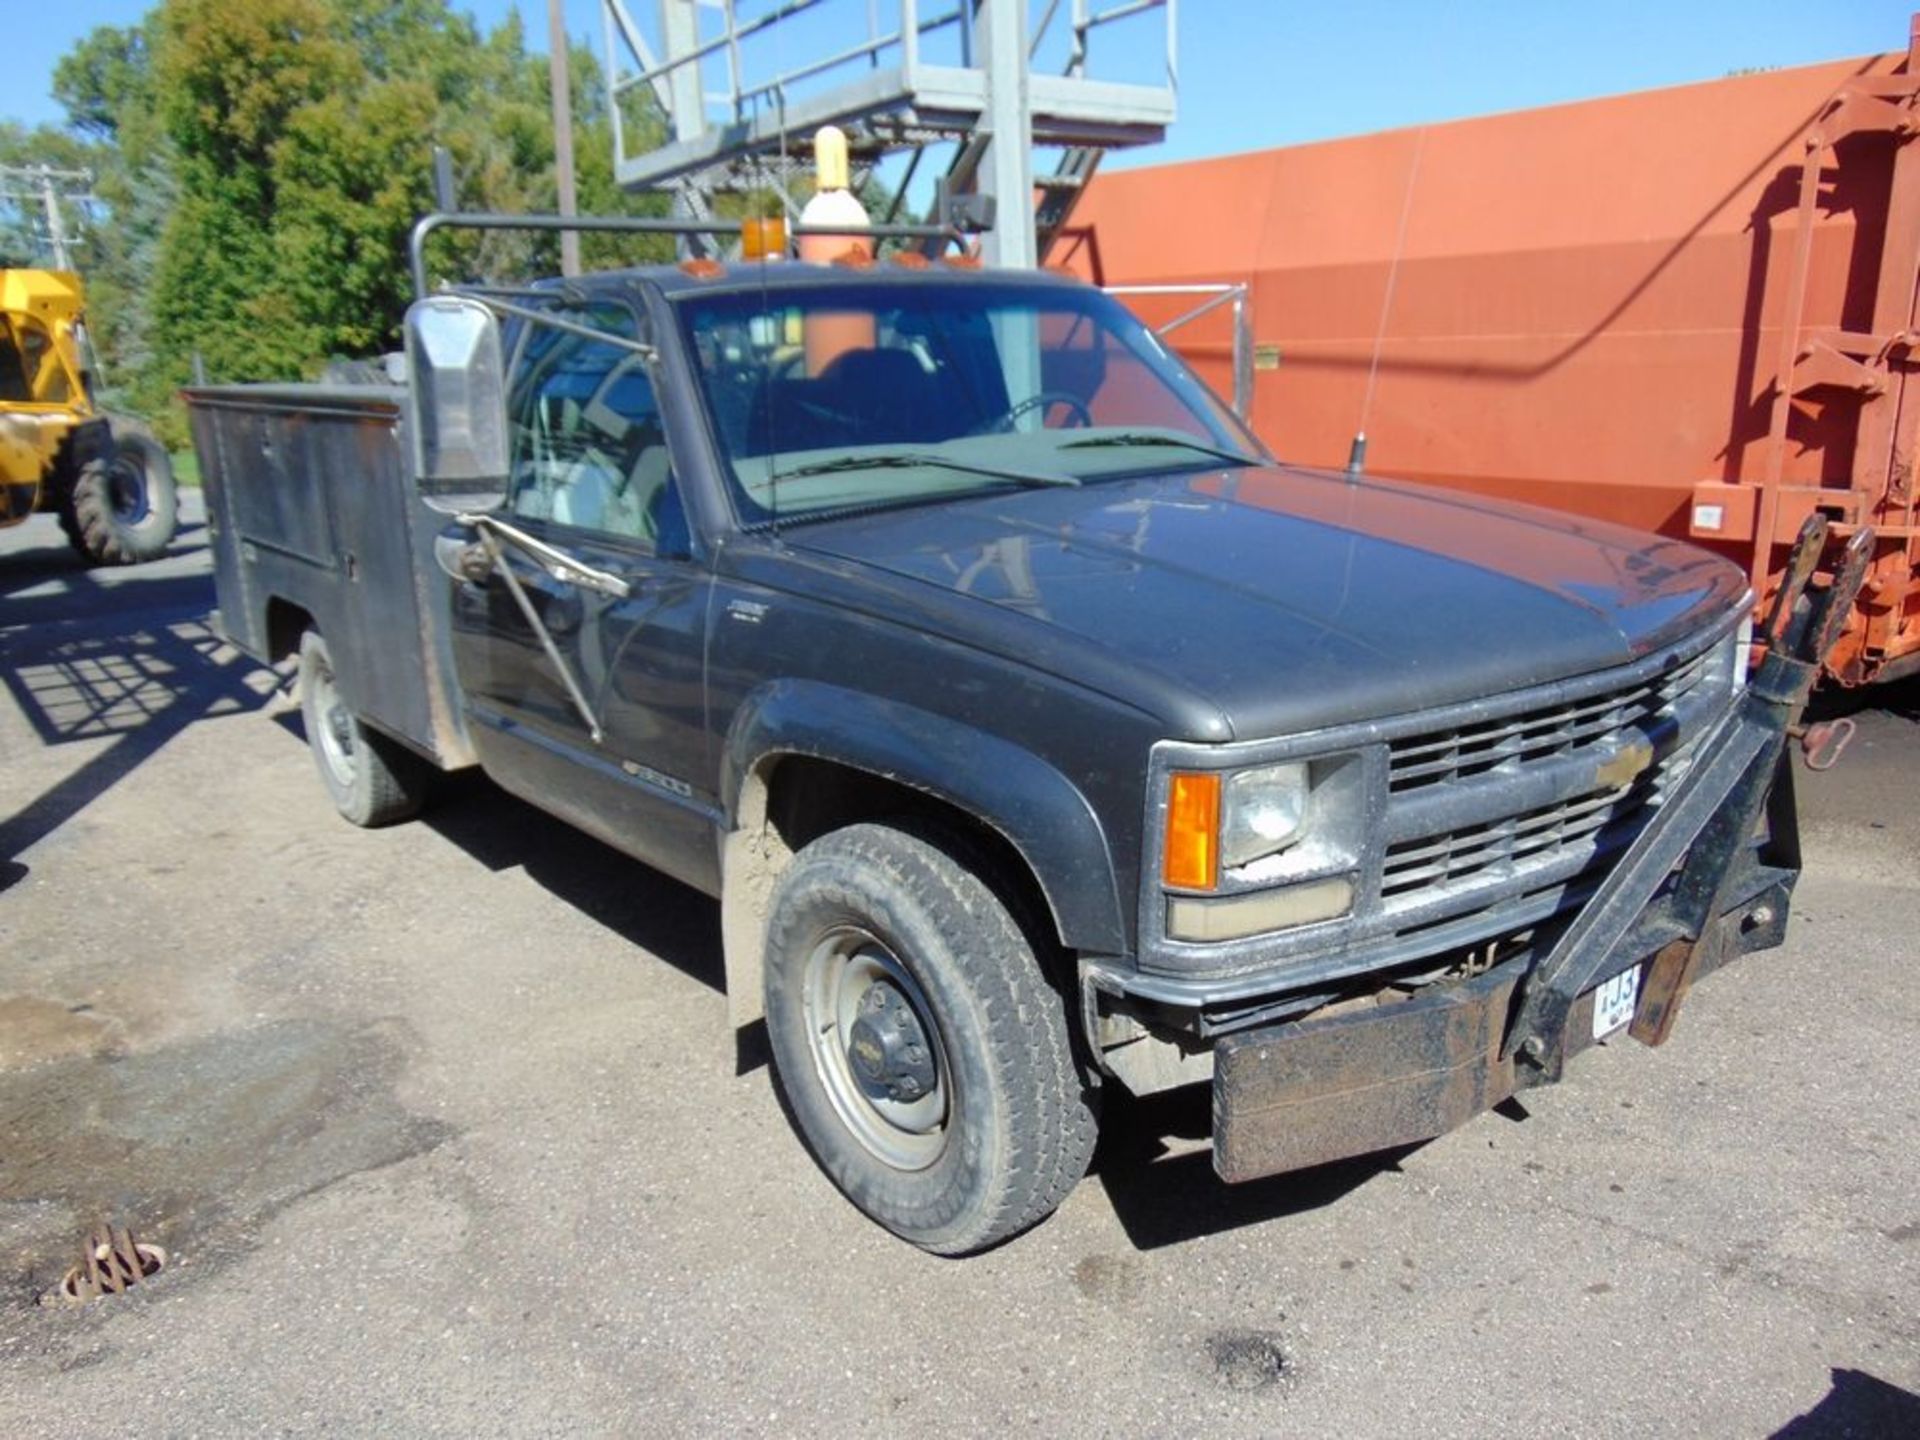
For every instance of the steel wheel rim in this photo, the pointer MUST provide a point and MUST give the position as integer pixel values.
(334, 723)
(127, 491)
(906, 1135)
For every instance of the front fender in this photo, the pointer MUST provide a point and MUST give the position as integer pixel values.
(1034, 807)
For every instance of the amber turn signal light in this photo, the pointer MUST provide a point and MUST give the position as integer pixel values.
(1190, 860)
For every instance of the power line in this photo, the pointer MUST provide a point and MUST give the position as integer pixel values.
(50, 189)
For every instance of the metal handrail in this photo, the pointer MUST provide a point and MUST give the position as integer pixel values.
(728, 39)
(1236, 295)
(873, 48)
(905, 38)
(427, 225)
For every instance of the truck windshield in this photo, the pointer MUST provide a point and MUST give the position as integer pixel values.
(825, 399)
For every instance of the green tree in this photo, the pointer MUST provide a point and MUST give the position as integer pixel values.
(107, 85)
(105, 82)
(231, 81)
(262, 165)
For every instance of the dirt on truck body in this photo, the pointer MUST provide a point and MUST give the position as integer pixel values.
(1036, 730)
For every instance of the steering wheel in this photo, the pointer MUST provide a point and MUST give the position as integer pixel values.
(1042, 400)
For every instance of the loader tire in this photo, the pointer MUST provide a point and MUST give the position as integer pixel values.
(124, 504)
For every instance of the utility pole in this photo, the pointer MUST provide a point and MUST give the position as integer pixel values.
(56, 232)
(48, 188)
(562, 131)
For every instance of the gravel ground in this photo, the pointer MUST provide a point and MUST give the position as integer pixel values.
(445, 1133)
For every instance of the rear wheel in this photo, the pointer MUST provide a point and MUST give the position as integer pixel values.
(373, 780)
(924, 1055)
(124, 505)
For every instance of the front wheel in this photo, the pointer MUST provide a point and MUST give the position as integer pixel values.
(373, 780)
(124, 504)
(924, 1055)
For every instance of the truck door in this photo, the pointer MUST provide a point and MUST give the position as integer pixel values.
(592, 476)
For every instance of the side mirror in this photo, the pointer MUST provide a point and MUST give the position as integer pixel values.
(459, 398)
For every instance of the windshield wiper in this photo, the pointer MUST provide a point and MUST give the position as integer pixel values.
(1151, 437)
(910, 459)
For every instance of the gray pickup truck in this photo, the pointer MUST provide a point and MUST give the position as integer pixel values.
(1037, 731)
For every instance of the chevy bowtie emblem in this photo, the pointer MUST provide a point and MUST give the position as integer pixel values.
(1622, 768)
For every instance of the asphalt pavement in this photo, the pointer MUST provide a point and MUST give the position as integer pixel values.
(444, 1132)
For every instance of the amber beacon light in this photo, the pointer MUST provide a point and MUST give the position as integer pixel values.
(763, 239)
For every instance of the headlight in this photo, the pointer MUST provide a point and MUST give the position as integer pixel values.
(1261, 812)
(1262, 848)
(1226, 821)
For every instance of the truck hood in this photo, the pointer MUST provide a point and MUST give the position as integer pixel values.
(1289, 599)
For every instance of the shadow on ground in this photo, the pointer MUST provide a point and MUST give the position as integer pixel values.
(1856, 1405)
(1164, 1190)
(132, 664)
(67, 588)
(1901, 698)
(647, 909)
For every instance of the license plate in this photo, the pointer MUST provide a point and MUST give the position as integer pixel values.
(1613, 1002)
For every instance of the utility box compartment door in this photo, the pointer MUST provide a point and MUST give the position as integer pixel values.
(309, 490)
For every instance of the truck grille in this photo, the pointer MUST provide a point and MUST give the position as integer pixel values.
(1581, 824)
(1442, 756)
(1606, 819)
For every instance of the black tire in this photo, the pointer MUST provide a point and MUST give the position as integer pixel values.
(373, 780)
(898, 910)
(124, 503)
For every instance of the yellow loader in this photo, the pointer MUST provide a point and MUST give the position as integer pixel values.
(108, 479)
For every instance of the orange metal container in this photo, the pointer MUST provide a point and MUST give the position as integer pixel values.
(1689, 310)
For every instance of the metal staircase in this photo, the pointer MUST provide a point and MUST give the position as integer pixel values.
(744, 87)
(1060, 192)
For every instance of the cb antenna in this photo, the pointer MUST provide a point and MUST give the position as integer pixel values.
(1357, 454)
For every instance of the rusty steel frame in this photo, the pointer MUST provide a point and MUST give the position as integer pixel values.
(1875, 368)
(114, 1261)
(1704, 828)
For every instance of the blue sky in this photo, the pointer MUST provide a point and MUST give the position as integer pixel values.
(1264, 72)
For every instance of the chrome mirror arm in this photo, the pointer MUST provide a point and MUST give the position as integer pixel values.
(557, 563)
(562, 568)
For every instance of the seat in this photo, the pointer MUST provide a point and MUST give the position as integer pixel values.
(890, 397)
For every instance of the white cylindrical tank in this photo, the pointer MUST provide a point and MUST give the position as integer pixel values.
(834, 203)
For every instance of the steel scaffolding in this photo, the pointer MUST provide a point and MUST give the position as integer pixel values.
(743, 95)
